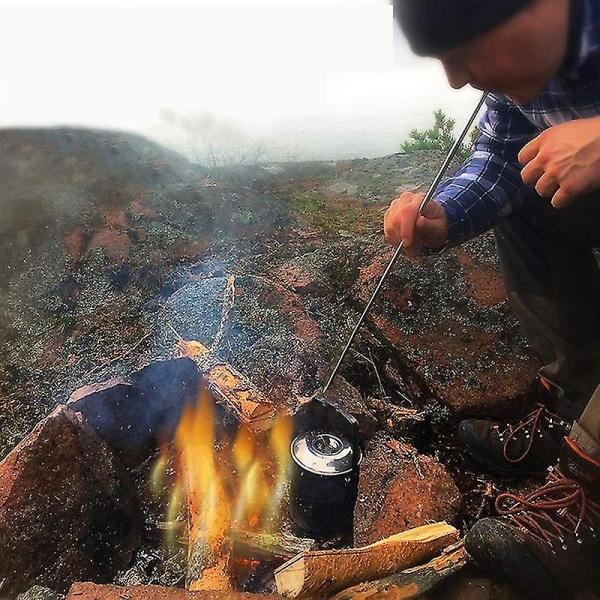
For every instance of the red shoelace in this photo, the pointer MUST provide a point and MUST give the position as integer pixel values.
(530, 425)
(553, 512)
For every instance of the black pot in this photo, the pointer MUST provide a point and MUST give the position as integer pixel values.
(325, 469)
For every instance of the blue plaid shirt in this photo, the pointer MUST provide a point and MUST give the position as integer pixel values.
(488, 186)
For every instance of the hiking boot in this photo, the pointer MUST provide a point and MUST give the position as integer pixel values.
(529, 446)
(547, 543)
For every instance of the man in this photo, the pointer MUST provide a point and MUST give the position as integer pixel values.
(534, 177)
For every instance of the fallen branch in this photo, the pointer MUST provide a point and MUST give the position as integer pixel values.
(411, 583)
(325, 572)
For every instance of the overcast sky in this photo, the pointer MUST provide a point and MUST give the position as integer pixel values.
(277, 65)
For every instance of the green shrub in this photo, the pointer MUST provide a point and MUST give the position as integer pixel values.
(439, 137)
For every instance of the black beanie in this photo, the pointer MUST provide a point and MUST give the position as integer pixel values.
(432, 26)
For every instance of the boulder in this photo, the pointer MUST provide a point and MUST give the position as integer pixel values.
(399, 489)
(68, 510)
(448, 319)
(135, 414)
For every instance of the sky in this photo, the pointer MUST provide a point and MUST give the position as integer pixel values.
(323, 79)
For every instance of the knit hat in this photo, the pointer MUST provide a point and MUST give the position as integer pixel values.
(432, 26)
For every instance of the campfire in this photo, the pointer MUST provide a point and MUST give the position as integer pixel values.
(258, 501)
(231, 481)
(237, 484)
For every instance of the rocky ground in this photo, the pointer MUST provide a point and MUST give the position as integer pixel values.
(114, 249)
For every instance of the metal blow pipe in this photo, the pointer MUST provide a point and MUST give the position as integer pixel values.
(438, 178)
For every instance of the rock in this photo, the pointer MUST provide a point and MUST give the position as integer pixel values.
(399, 489)
(164, 388)
(38, 592)
(134, 415)
(67, 508)
(307, 274)
(91, 591)
(103, 406)
(449, 321)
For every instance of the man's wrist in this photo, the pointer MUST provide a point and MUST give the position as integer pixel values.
(425, 251)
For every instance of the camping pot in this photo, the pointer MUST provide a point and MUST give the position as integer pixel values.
(325, 468)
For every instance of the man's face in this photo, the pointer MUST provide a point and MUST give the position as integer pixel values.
(516, 59)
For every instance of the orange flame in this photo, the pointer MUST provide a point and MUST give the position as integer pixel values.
(199, 463)
(226, 483)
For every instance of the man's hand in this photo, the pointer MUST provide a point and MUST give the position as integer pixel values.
(403, 222)
(563, 162)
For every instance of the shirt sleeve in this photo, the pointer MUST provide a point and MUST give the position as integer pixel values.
(488, 186)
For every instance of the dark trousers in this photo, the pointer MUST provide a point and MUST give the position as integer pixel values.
(553, 284)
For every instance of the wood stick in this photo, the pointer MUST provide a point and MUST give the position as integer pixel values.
(208, 565)
(238, 393)
(411, 583)
(207, 502)
(227, 385)
(209, 552)
(268, 545)
(325, 572)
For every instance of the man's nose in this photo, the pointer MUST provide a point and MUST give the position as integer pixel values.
(457, 74)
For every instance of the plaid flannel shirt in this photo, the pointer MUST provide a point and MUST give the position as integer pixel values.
(488, 186)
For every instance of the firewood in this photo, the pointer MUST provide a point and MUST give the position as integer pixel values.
(411, 583)
(208, 510)
(229, 386)
(239, 394)
(325, 572)
(209, 553)
(208, 565)
(268, 545)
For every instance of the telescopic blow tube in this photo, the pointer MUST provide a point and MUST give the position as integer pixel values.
(451, 154)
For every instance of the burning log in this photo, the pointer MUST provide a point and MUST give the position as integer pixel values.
(256, 555)
(229, 386)
(227, 480)
(268, 545)
(209, 562)
(411, 583)
(208, 565)
(206, 499)
(325, 572)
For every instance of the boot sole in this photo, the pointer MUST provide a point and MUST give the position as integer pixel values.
(525, 572)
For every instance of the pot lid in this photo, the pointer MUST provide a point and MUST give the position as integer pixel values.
(322, 453)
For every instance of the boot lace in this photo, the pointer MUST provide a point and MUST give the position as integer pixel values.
(530, 426)
(554, 512)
